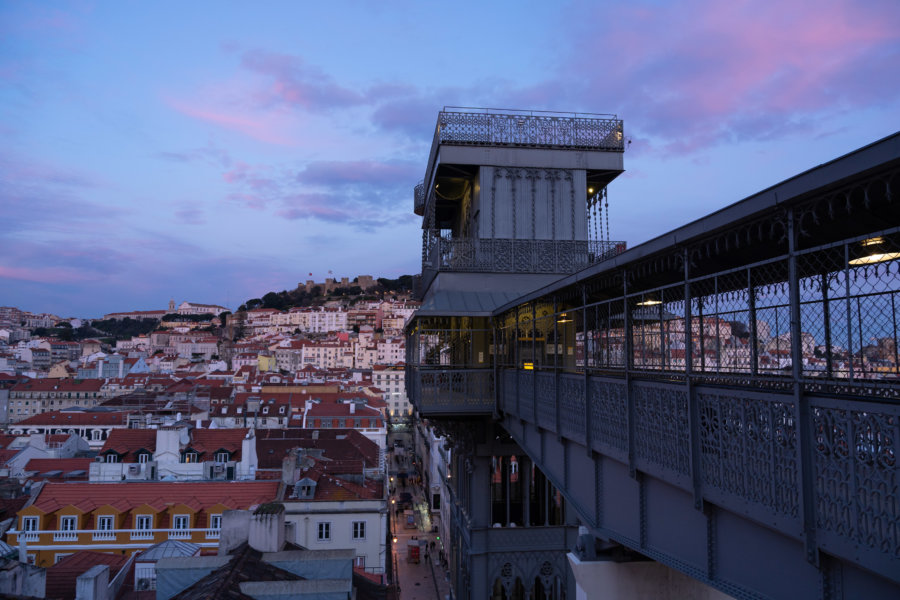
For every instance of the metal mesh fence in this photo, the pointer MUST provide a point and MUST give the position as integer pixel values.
(737, 324)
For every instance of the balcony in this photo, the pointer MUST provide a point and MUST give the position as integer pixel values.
(513, 255)
(452, 391)
(103, 535)
(29, 536)
(213, 534)
(179, 534)
(65, 536)
(142, 534)
(537, 129)
(419, 199)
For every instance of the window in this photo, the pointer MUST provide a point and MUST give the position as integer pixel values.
(181, 522)
(359, 530)
(143, 457)
(215, 521)
(191, 457)
(112, 458)
(324, 531)
(105, 523)
(59, 556)
(29, 523)
(68, 523)
(143, 522)
(222, 457)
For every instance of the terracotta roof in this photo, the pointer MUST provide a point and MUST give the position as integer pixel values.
(58, 385)
(331, 488)
(6, 455)
(272, 445)
(6, 440)
(75, 418)
(61, 577)
(125, 442)
(208, 441)
(158, 494)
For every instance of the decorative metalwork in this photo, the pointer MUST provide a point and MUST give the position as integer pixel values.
(503, 255)
(419, 198)
(530, 129)
(571, 407)
(455, 391)
(526, 392)
(857, 481)
(609, 424)
(748, 448)
(661, 430)
(546, 399)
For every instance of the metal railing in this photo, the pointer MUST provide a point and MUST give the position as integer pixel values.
(111, 534)
(456, 391)
(419, 198)
(505, 127)
(731, 380)
(458, 125)
(514, 255)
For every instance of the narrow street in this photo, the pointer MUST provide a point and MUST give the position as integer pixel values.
(416, 548)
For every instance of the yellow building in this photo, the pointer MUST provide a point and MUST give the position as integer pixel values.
(124, 518)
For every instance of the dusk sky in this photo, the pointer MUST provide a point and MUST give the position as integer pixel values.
(215, 151)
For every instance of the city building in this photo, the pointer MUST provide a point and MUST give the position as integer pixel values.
(63, 518)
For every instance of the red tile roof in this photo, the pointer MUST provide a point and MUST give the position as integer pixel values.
(58, 385)
(158, 494)
(61, 577)
(125, 442)
(76, 418)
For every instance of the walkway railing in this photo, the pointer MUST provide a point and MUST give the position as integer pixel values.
(514, 255)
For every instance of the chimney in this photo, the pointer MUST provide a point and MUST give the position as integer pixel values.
(352, 408)
(289, 468)
(93, 584)
(267, 528)
(235, 530)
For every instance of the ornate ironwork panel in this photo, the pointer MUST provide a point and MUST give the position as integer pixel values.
(419, 198)
(857, 481)
(529, 129)
(609, 421)
(748, 448)
(546, 399)
(507, 391)
(504, 255)
(571, 407)
(526, 394)
(662, 428)
(455, 390)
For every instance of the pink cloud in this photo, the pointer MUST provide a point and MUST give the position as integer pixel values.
(47, 275)
(699, 72)
(269, 128)
(291, 81)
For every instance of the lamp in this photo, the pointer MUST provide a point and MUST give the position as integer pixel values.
(876, 253)
(649, 301)
(563, 318)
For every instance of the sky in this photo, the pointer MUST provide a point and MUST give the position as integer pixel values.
(215, 151)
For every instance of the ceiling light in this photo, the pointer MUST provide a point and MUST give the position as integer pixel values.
(876, 253)
(649, 302)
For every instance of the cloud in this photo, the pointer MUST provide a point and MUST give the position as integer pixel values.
(46, 274)
(369, 172)
(268, 128)
(191, 216)
(290, 81)
(699, 74)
